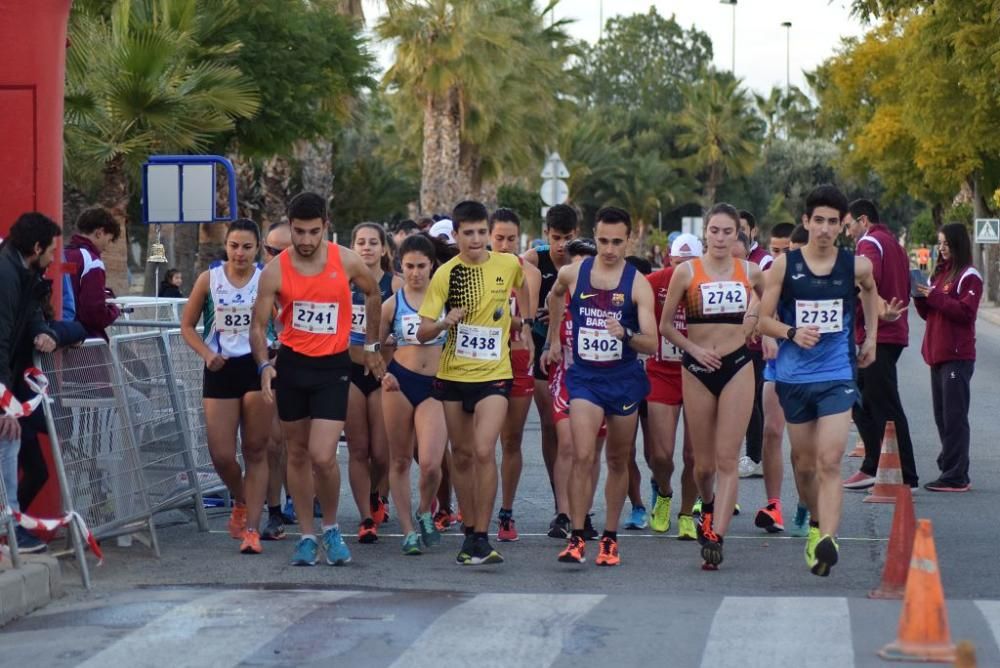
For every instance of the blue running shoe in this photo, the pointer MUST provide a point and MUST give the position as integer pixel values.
(428, 532)
(288, 512)
(800, 525)
(337, 553)
(411, 544)
(305, 552)
(638, 519)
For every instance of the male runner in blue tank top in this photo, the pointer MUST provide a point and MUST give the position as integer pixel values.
(809, 304)
(611, 307)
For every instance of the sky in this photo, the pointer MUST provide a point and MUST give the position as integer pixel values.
(817, 28)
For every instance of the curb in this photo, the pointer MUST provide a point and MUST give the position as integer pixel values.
(34, 585)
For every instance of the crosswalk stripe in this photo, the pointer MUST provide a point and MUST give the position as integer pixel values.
(991, 613)
(814, 632)
(513, 629)
(217, 630)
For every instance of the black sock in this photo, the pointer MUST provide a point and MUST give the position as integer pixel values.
(274, 510)
(708, 507)
(563, 516)
(578, 533)
(814, 523)
(481, 535)
(506, 513)
(469, 531)
(613, 535)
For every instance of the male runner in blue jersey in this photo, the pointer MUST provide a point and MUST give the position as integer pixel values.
(809, 304)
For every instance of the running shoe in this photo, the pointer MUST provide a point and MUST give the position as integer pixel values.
(945, 486)
(800, 525)
(574, 553)
(368, 531)
(653, 488)
(29, 543)
(508, 531)
(736, 510)
(769, 518)
(607, 554)
(237, 521)
(484, 553)
(748, 468)
(660, 520)
(685, 528)
(711, 543)
(442, 520)
(428, 532)
(464, 556)
(826, 554)
(811, 539)
(560, 526)
(589, 532)
(411, 544)
(638, 519)
(337, 553)
(380, 510)
(859, 481)
(275, 528)
(306, 552)
(251, 542)
(696, 508)
(288, 512)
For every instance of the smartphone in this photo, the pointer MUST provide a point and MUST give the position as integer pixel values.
(917, 278)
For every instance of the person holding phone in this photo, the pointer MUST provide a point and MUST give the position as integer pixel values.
(949, 305)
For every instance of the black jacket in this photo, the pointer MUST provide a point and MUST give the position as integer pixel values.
(21, 319)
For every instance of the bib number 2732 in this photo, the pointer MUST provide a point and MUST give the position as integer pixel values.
(826, 314)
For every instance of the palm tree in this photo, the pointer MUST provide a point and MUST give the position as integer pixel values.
(139, 83)
(720, 127)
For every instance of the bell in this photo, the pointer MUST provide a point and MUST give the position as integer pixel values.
(157, 254)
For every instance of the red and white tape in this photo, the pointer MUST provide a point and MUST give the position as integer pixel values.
(37, 383)
(32, 523)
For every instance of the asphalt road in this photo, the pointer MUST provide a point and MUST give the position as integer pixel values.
(761, 608)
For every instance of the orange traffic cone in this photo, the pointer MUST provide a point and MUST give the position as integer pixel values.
(923, 623)
(859, 449)
(889, 476)
(897, 557)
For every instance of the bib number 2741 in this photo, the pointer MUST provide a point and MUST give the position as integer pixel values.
(315, 317)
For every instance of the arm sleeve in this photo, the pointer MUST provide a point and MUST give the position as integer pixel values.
(869, 250)
(962, 309)
(437, 295)
(92, 308)
(8, 307)
(921, 305)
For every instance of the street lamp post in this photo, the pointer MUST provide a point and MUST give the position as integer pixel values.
(733, 3)
(787, 25)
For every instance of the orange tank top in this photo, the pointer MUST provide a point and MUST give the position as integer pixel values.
(315, 310)
(711, 301)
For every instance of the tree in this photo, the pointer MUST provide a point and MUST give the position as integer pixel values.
(720, 127)
(135, 87)
(787, 114)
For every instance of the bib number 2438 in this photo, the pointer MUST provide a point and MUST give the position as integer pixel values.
(478, 343)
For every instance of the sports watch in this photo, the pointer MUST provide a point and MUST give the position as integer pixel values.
(790, 334)
(373, 347)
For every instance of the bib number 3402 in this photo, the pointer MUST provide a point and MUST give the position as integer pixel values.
(723, 297)
(479, 343)
(596, 345)
(315, 317)
(826, 314)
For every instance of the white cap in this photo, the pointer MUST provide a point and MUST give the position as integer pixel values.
(686, 245)
(443, 228)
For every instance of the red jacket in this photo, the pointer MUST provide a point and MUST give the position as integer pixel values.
(950, 311)
(89, 286)
(891, 269)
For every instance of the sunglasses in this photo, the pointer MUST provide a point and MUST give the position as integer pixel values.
(271, 250)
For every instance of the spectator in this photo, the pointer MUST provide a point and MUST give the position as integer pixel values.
(949, 305)
(25, 254)
(96, 230)
(171, 285)
(923, 257)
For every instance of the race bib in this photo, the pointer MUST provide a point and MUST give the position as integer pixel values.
(723, 297)
(827, 314)
(233, 318)
(669, 352)
(597, 345)
(479, 343)
(315, 317)
(410, 324)
(357, 318)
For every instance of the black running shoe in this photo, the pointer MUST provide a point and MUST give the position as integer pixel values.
(464, 556)
(484, 553)
(275, 529)
(560, 526)
(827, 553)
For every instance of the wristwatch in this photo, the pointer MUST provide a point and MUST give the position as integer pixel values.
(790, 334)
(373, 347)
(530, 322)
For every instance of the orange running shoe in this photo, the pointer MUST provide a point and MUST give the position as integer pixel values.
(608, 554)
(251, 542)
(238, 520)
(380, 510)
(574, 552)
(711, 543)
(769, 518)
(442, 520)
(367, 531)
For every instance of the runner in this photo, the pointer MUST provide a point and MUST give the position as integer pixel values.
(505, 233)
(311, 284)
(809, 304)
(410, 410)
(562, 526)
(561, 224)
(612, 311)
(665, 401)
(474, 378)
(224, 298)
(367, 443)
(279, 237)
(719, 293)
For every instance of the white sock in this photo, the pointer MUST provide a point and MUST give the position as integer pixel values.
(327, 527)
(310, 536)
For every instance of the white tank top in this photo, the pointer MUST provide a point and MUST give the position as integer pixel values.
(229, 311)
